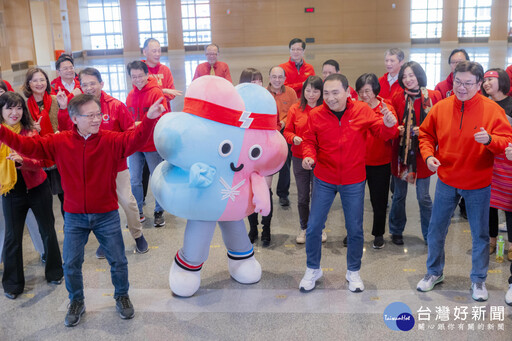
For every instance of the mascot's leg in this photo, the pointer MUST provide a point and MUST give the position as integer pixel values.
(243, 267)
(185, 274)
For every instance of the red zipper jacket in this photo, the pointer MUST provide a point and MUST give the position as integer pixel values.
(294, 78)
(386, 91)
(31, 169)
(398, 101)
(88, 167)
(138, 103)
(339, 147)
(296, 125)
(57, 83)
(448, 134)
(378, 151)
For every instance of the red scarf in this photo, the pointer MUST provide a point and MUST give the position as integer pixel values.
(46, 124)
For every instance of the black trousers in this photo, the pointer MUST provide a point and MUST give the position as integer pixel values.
(265, 220)
(377, 178)
(15, 205)
(494, 222)
(283, 183)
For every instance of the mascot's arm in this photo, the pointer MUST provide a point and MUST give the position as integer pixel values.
(201, 175)
(261, 198)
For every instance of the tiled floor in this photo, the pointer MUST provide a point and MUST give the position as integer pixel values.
(273, 308)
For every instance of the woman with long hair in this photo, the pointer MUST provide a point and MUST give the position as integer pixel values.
(23, 186)
(412, 105)
(296, 125)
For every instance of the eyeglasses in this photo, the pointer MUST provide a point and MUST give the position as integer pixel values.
(90, 117)
(458, 83)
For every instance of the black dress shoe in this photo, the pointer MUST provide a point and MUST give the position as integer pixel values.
(11, 295)
(56, 282)
(397, 239)
(345, 241)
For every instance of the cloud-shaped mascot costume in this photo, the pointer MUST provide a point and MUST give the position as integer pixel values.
(217, 153)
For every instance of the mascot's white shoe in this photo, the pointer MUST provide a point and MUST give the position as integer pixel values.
(182, 282)
(245, 271)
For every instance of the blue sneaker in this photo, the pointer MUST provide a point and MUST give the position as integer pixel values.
(142, 245)
(100, 253)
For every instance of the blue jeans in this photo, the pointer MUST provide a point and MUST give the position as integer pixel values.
(107, 229)
(352, 200)
(477, 206)
(136, 165)
(397, 215)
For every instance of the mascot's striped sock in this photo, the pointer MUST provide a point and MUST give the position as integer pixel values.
(241, 255)
(184, 265)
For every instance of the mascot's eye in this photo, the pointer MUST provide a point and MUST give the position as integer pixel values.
(225, 148)
(255, 152)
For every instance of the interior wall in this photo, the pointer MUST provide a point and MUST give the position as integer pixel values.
(42, 32)
(74, 25)
(19, 30)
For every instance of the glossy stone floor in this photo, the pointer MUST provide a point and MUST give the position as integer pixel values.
(273, 308)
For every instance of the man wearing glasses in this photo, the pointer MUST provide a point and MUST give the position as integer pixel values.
(213, 66)
(87, 159)
(458, 139)
(296, 69)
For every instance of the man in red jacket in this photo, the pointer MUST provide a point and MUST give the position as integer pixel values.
(145, 92)
(393, 59)
(335, 144)
(67, 80)
(88, 159)
(296, 69)
(456, 56)
(458, 139)
(331, 66)
(116, 117)
(212, 66)
(161, 73)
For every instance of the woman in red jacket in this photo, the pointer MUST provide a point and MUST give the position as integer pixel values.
(296, 125)
(378, 157)
(23, 186)
(412, 105)
(496, 86)
(43, 107)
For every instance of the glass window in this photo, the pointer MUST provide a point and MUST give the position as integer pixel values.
(426, 19)
(114, 77)
(101, 23)
(152, 21)
(196, 22)
(474, 18)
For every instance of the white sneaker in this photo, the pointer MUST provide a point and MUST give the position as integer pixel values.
(428, 282)
(508, 296)
(479, 292)
(503, 227)
(310, 277)
(355, 283)
(301, 238)
(324, 237)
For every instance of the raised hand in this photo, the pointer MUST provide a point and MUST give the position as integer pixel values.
(62, 99)
(157, 109)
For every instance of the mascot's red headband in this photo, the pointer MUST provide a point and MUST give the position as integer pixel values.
(492, 74)
(236, 118)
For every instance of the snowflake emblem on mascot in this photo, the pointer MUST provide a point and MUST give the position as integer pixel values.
(217, 153)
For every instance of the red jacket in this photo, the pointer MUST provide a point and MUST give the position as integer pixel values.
(163, 76)
(57, 83)
(8, 85)
(296, 125)
(294, 78)
(446, 87)
(88, 167)
(378, 151)
(448, 134)
(386, 91)
(398, 101)
(339, 147)
(138, 103)
(31, 169)
(221, 69)
(116, 117)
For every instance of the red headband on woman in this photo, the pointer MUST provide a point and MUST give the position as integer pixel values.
(489, 74)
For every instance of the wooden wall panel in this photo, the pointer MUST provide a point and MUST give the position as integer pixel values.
(74, 25)
(19, 30)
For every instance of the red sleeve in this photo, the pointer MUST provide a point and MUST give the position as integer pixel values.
(36, 147)
(428, 137)
(64, 120)
(126, 121)
(377, 126)
(8, 85)
(227, 75)
(289, 129)
(310, 141)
